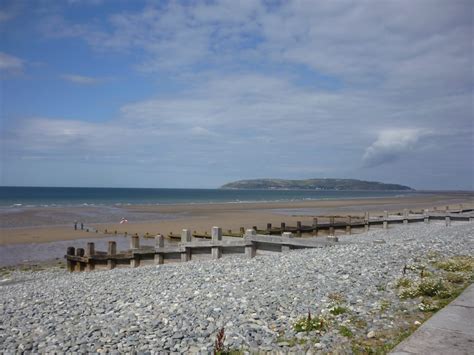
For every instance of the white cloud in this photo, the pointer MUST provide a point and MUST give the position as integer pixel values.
(303, 81)
(392, 144)
(201, 132)
(244, 111)
(384, 46)
(81, 79)
(10, 63)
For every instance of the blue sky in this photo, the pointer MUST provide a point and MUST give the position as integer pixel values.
(200, 93)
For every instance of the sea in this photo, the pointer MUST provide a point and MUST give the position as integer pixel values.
(91, 196)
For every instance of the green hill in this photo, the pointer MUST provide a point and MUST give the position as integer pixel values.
(315, 184)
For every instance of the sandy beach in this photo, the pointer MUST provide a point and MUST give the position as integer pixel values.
(48, 224)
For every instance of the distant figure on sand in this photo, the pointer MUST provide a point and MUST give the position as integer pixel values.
(75, 225)
(82, 226)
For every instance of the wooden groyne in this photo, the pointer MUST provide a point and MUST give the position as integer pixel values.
(288, 238)
(87, 259)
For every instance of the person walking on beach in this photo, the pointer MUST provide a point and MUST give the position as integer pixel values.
(82, 226)
(75, 225)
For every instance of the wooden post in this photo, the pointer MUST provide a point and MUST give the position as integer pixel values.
(282, 227)
(134, 245)
(286, 248)
(250, 233)
(269, 227)
(186, 238)
(90, 251)
(242, 231)
(348, 225)
(80, 266)
(461, 208)
(250, 250)
(71, 251)
(385, 219)
(426, 217)
(298, 229)
(405, 216)
(331, 225)
(448, 221)
(159, 244)
(254, 228)
(135, 242)
(315, 226)
(135, 260)
(112, 251)
(216, 251)
(367, 221)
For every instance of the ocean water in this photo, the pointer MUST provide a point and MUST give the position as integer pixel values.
(85, 196)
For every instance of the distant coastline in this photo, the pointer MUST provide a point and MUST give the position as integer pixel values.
(314, 185)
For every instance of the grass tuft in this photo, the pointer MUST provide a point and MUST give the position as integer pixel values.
(337, 310)
(403, 282)
(308, 323)
(456, 263)
(345, 331)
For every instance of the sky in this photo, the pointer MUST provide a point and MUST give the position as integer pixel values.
(199, 93)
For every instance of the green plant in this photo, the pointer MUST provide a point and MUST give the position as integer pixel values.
(403, 282)
(426, 287)
(428, 305)
(410, 292)
(430, 287)
(337, 310)
(456, 263)
(448, 292)
(455, 277)
(345, 331)
(308, 323)
(384, 305)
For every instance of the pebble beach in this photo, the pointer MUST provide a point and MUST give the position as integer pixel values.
(181, 307)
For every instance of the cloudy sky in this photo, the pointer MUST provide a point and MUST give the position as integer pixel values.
(199, 93)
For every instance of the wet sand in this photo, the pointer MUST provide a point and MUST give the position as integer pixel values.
(56, 224)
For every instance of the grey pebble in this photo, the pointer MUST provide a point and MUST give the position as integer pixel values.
(181, 307)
